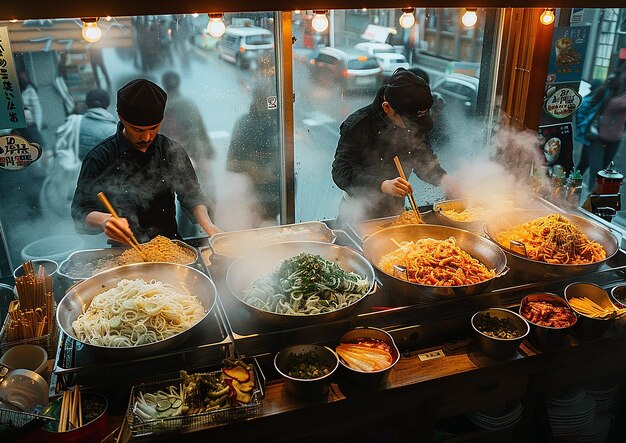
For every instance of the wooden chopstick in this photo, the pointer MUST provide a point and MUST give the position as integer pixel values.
(411, 198)
(132, 241)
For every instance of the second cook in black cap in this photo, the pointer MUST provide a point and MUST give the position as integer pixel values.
(397, 123)
(141, 171)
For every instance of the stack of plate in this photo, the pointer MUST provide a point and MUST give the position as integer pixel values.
(604, 394)
(570, 413)
(598, 432)
(493, 421)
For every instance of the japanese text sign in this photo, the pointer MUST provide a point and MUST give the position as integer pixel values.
(11, 108)
(17, 153)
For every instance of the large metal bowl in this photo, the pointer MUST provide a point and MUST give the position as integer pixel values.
(245, 270)
(456, 206)
(79, 297)
(379, 244)
(539, 269)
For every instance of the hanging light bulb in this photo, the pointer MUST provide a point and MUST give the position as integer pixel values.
(407, 19)
(216, 25)
(91, 33)
(320, 21)
(108, 18)
(297, 11)
(13, 20)
(547, 17)
(195, 15)
(470, 18)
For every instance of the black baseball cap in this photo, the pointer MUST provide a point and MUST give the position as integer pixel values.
(408, 94)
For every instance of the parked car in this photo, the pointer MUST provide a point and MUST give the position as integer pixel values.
(351, 69)
(389, 62)
(373, 48)
(243, 45)
(459, 91)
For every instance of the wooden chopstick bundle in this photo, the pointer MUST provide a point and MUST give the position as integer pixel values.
(411, 198)
(71, 410)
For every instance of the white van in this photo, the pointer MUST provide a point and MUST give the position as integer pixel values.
(243, 45)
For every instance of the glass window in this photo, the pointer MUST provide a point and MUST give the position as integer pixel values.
(359, 63)
(222, 107)
(324, 101)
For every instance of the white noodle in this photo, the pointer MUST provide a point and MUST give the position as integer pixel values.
(136, 313)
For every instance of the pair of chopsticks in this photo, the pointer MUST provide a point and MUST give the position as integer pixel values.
(411, 198)
(132, 241)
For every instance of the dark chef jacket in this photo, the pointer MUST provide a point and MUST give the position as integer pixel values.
(364, 159)
(140, 186)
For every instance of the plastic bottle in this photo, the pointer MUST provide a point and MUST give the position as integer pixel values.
(574, 188)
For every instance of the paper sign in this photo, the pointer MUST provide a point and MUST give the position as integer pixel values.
(558, 145)
(17, 153)
(431, 355)
(562, 101)
(569, 45)
(11, 108)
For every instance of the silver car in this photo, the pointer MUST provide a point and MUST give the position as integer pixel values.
(352, 70)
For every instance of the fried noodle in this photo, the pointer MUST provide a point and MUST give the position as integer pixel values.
(554, 239)
(436, 263)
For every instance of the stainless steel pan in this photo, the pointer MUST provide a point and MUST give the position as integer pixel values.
(379, 244)
(538, 269)
(245, 270)
(79, 297)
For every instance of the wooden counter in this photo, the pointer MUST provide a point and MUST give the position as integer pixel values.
(418, 393)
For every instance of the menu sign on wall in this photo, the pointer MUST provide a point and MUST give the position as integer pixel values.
(558, 145)
(569, 46)
(562, 101)
(11, 109)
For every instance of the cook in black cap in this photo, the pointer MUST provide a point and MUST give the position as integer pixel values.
(141, 172)
(396, 123)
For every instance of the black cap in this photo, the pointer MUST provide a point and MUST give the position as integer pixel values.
(408, 94)
(141, 102)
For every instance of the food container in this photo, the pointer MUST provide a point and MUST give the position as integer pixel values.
(81, 265)
(618, 295)
(24, 389)
(538, 269)
(235, 244)
(59, 284)
(500, 347)
(31, 357)
(409, 293)
(589, 327)
(92, 431)
(362, 229)
(80, 296)
(457, 206)
(372, 379)
(546, 336)
(307, 388)
(245, 270)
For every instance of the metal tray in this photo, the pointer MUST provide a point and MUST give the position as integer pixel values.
(88, 258)
(192, 422)
(315, 231)
(77, 364)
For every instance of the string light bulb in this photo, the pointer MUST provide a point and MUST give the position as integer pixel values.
(108, 18)
(470, 18)
(91, 33)
(195, 15)
(216, 25)
(407, 19)
(320, 21)
(547, 17)
(297, 11)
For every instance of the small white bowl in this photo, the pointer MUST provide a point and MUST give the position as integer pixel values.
(25, 389)
(31, 357)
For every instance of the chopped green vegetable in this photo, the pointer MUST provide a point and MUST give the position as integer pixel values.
(306, 365)
(497, 327)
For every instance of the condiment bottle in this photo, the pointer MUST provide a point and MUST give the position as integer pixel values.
(574, 188)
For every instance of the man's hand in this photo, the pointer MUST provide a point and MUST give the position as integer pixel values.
(398, 187)
(117, 229)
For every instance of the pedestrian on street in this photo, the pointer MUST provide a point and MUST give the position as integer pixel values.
(97, 123)
(141, 172)
(605, 128)
(397, 123)
(183, 123)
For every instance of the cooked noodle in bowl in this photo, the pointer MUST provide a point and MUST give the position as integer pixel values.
(136, 312)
